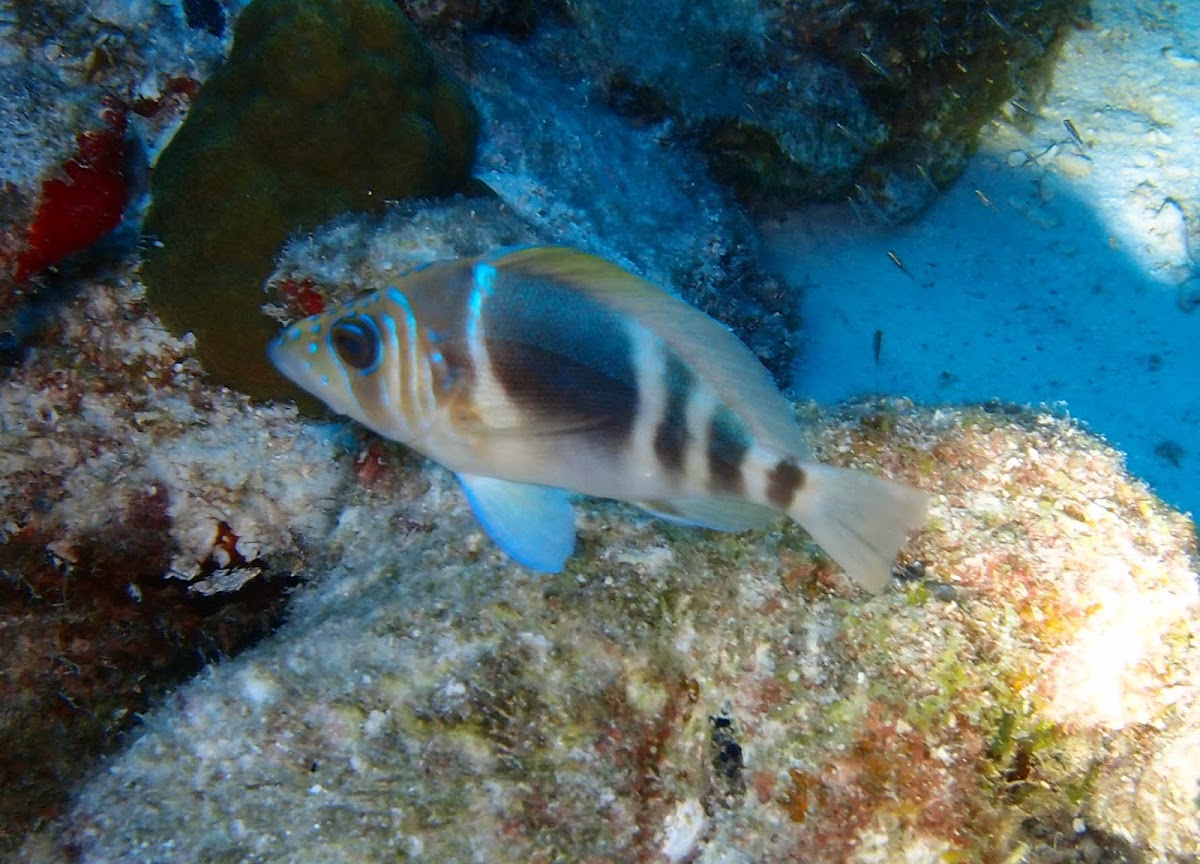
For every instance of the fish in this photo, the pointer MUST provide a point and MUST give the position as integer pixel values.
(534, 373)
(895, 259)
(1074, 133)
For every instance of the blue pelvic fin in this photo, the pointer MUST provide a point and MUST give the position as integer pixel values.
(534, 525)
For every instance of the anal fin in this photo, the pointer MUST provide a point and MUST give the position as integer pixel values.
(719, 514)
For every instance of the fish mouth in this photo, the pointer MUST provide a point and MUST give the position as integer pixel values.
(273, 351)
(283, 360)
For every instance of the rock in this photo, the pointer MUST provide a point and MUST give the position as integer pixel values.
(701, 696)
(148, 524)
(792, 102)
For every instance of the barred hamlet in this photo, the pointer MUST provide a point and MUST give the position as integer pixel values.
(536, 372)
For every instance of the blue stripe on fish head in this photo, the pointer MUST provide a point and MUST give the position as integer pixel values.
(485, 283)
(485, 278)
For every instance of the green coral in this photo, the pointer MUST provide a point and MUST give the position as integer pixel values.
(322, 107)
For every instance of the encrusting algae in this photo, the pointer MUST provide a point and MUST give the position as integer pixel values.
(682, 695)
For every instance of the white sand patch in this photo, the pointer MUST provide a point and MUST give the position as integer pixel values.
(1051, 272)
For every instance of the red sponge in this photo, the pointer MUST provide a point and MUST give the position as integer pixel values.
(79, 208)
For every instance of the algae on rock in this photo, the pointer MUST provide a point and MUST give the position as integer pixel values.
(682, 695)
(321, 108)
(150, 522)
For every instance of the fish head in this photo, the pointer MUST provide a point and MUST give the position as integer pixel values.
(350, 357)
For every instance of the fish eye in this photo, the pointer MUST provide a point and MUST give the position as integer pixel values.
(356, 342)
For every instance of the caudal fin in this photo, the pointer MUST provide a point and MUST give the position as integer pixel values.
(860, 520)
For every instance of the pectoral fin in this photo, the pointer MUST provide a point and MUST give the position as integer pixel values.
(534, 525)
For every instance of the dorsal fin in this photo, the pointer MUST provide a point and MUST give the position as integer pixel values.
(714, 352)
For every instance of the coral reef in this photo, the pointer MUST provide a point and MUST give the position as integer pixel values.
(1027, 689)
(442, 17)
(121, 413)
(576, 175)
(148, 523)
(78, 209)
(796, 101)
(321, 108)
(61, 183)
(934, 72)
(91, 643)
(84, 91)
(123, 466)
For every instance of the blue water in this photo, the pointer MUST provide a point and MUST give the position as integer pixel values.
(1035, 311)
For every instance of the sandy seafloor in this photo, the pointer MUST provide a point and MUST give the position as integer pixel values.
(1050, 273)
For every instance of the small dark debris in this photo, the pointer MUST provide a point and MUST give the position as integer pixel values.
(1170, 451)
(910, 572)
(728, 759)
(1022, 763)
(881, 422)
(642, 105)
(205, 15)
(914, 571)
(1154, 362)
(1056, 838)
(13, 350)
(728, 782)
(407, 526)
(1007, 409)
(941, 591)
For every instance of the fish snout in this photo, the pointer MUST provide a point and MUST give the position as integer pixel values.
(287, 360)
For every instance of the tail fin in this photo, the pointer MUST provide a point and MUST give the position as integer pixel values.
(860, 520)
